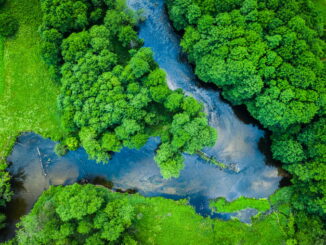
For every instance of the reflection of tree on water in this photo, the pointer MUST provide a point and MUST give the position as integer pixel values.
(103, 181)
(98, 180)
(17, 180)
(14, 210)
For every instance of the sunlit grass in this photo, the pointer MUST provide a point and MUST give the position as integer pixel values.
(27, 93)
(221, 205)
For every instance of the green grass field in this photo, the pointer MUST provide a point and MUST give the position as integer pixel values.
(27, 93)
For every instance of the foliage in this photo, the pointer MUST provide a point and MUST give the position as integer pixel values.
(302, 227)
(280, 223)
(81, 214)
(28, 95)
(8, 25)
(76, 215)
(60, 149)
(304, 155)
(262, 53)
(268, 55)
(5, 192)
(109, 102)
(221, 205)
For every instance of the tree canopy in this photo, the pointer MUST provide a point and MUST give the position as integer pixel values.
(77, 215)
(269, 56)
(266, 54)
(113, 93)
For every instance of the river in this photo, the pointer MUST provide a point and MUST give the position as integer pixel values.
(238, 142)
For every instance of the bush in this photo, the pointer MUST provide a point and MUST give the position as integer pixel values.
(72, 143)
(60, 149)
(2, 2)
(8, 25)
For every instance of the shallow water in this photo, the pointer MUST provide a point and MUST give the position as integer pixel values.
(136, 169)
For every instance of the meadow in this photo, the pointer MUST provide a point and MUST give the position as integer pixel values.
(27, 94)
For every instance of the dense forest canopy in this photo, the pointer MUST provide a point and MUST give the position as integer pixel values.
(266, 54)
(113, 93)
(270, 56)
(77, 215)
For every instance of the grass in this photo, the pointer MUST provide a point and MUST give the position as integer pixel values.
(1, 66)
(221, 205)
(167, 222)
(321, 5)
(27, 93)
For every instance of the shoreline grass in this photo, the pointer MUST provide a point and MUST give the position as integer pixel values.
(221, 205)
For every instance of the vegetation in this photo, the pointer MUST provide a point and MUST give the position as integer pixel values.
(5, 192)
(221, 205)
(77, 215)
(27, 94)
(60, 216)
(268, 55)
(113, 93)
(60, 149)
(8, 25)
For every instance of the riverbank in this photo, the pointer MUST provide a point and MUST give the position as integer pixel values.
(27, 93)
(155, 220)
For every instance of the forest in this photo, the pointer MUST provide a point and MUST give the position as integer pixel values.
(269, 56)
(106, 92)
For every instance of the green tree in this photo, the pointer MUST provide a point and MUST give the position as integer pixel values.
(113, 94)
(76, 214)
(269, 56)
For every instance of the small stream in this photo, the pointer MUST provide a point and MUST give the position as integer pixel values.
(238, 142)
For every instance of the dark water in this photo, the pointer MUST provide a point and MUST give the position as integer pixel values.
(238, 142)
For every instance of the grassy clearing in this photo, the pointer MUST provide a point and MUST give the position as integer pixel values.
(28, 97)
(221, 205)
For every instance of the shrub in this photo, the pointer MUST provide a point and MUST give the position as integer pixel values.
(8, 25)
(60, 149)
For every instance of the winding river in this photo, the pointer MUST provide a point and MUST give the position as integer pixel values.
(238, 142)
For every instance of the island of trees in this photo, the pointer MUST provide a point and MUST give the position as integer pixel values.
(113, 93)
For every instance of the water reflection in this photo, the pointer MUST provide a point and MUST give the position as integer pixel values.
(130, 171)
